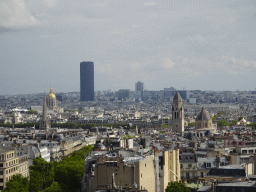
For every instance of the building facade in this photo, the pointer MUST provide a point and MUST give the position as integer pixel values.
(113, 172)
(139, 86)
(170, 168)
(87, 81)
(11, 164)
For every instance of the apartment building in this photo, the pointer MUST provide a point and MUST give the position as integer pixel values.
(113, 172)
(11, 164)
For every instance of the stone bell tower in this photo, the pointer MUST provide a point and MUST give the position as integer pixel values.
(177, 114)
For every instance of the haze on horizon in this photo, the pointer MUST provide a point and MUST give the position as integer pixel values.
(206, 45)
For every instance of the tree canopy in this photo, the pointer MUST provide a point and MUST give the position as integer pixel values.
(17, 183)
(62, 176)
(177, 187)
(70, 125)
(33, 112)
(192, 124)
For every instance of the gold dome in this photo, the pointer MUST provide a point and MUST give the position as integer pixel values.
(51, 95)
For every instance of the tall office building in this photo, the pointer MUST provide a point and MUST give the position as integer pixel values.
(86, 81)
(139, 86)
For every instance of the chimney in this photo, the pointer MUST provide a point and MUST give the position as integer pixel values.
(46, 135)
(212, 186)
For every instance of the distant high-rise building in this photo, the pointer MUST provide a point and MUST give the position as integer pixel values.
(139, 86)
(87, 81)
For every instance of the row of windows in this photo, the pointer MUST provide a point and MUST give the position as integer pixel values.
(12, 163)
(11, 170)
(23, 168)
(2, 157)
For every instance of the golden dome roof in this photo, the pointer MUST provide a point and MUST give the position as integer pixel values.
(51, 95)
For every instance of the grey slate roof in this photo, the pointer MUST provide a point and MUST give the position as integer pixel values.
(188, 158)
(203, 115)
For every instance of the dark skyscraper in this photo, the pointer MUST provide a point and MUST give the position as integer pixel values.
(87, 81)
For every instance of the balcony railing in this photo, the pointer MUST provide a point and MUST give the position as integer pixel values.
(189, 177)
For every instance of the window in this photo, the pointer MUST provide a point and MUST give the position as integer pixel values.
(208, 165)
(244, 151)
(141, 175)
(189, 165)
(145, 165)
(1, 172)
(1, 180)
(1, 165)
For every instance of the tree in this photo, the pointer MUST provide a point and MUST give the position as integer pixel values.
(42, 173)
(33, 112)
(192, 124)
(177, 187)
(17, 183)
(36, 181)
(233, 122)
(164, 126)
(68, 173)
(55, 187)
(223, 123)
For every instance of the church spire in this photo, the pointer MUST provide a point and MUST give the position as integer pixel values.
(177, 96)
(44, 109)
(44, 123)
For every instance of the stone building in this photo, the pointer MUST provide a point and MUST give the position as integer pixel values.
(203, 121)
(107, 172)
(51, 100)
(44, 122)
(11, 164)
(177, 114)
(170, 168)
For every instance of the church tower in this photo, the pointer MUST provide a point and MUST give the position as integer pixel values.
(177, 114)
(44, 123)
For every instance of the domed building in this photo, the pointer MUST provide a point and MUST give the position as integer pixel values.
(204, 121)
(99, 147)
(51, 100)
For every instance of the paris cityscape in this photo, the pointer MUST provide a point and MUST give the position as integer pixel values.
(154, 96)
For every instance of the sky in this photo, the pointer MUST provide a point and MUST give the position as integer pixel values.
(185, 44)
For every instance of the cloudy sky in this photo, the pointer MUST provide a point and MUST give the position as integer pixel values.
(191, 44)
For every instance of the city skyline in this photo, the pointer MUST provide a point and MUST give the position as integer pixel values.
(200, 46)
